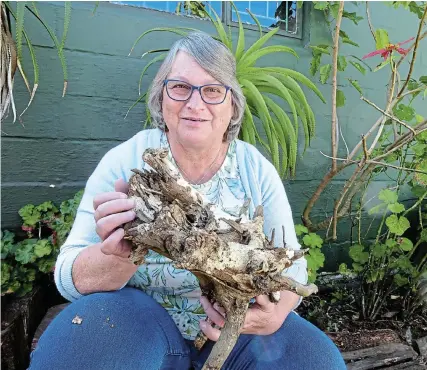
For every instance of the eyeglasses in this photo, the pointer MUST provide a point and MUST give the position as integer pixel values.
(182, 91)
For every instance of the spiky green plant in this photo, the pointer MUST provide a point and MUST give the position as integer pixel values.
(267, 91)
(22, 8)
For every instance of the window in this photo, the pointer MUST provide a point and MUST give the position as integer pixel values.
(191, 8)
(283, 14)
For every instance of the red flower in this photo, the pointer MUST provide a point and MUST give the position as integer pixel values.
(386, 52)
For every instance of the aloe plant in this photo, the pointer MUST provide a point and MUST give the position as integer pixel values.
(15, 58)
(261, 86)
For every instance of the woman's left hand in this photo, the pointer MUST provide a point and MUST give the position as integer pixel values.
(262, 318)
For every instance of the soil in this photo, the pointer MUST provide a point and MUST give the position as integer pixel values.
(341, 320)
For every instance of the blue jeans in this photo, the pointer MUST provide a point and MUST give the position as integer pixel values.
(127, 329)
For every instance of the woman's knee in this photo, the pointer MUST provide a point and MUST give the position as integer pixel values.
(315, 348)
(125, 326)
(296, 345)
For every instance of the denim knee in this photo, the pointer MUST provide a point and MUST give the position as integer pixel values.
(124, 329)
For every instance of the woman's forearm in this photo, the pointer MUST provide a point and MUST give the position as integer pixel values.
(94, 271)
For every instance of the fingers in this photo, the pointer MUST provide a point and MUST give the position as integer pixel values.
(113, 245)
(210, 332)
(121, 186)
(219, 309)
(106, 197)
(264, 301)
(215, 316)
(107, 224)
(112, 207)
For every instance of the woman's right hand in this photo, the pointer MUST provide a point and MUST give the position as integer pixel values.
(112, 210)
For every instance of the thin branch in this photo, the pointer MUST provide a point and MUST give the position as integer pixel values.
(414, 54)
(412, 91)
(402, 58)
(389, 104)
(418, 202)
(365, 149)
(370, 131)
(371, 161)
(395, 75)
(396, 167)
(334, 223)
(343, 139)
(334, 84)
(368, 17)
(387, 114)
(403, 140)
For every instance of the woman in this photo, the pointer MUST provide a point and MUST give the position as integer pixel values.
(197, 105)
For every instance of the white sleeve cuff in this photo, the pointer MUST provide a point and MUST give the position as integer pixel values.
(64, 277)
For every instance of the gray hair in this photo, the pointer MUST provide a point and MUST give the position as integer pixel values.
(217, 60)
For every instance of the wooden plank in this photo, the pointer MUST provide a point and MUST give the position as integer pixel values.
(380, 356)
(413, 365)
(422, 346)
(47, 319)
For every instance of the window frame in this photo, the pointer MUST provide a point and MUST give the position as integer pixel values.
(227, 10)
(226, 18)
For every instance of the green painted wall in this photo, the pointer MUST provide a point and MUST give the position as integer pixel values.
(64, 138)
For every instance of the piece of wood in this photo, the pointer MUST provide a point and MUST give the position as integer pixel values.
(233, 260)
(47, 319)
(412, 365)
(422, 346)
(380, 356)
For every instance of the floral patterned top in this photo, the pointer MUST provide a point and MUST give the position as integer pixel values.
(178, 290)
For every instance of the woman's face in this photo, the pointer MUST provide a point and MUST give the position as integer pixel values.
(194, 123)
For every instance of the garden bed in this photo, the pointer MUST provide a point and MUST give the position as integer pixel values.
(342, 321)
(391, 341)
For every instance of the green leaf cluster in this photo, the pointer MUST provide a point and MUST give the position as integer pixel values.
(25, 261)
(315, 257)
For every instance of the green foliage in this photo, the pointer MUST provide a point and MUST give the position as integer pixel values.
(23, 262)
(315, 257)
(340, 98)
(404, 112)
(325, 72)
(389, 259)
(381, 38)
(269, 92)
(342, 63)
(195, 8)
(356, 85)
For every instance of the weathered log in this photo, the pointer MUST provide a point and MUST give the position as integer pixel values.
(233, 260)
(379, 356)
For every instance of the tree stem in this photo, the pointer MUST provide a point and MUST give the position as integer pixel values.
(414, 54)
(334, 130)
